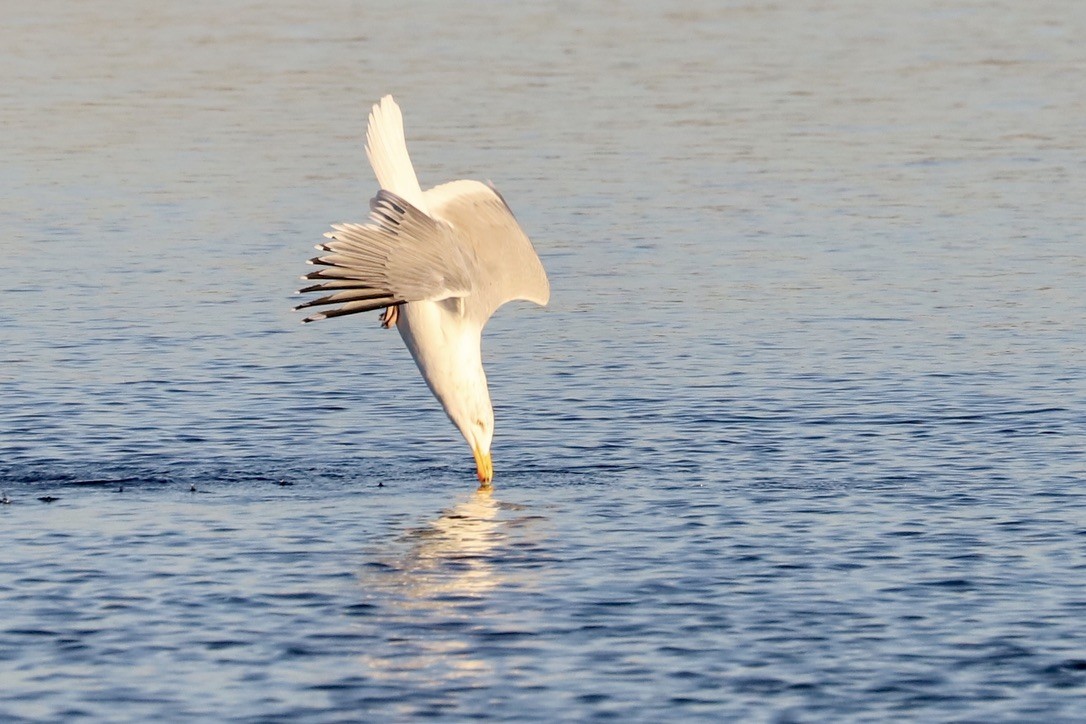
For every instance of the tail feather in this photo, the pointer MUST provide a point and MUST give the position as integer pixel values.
(387, 152)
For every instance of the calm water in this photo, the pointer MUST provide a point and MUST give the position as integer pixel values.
(800, 437)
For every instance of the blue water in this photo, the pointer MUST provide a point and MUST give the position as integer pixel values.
(799, 438)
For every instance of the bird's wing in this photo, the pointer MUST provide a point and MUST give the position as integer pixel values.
(387, 152)
(400, 255)
(506, 265)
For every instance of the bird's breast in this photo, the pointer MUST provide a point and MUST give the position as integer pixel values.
(445, 345)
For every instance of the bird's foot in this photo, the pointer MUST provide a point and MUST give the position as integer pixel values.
(391, 314)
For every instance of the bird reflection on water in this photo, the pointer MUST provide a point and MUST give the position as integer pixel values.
(446, 591)
(449, 556)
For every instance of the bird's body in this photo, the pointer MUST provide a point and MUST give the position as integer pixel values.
(440, 262)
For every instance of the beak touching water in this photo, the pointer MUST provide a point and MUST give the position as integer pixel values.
(484, 468)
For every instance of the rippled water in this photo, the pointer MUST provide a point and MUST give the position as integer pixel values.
(800, 437)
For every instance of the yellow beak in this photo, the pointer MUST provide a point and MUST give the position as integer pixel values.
(484, 468)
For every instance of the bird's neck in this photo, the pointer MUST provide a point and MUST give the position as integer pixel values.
(447, 349)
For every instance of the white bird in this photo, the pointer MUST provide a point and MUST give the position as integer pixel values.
(440, 262)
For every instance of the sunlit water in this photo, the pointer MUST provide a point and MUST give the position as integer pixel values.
(799, 438)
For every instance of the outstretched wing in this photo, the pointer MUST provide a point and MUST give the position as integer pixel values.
(387, 152)
(506, 266)
(400, 255)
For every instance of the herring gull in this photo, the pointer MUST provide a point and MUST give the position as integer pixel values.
(439, 262)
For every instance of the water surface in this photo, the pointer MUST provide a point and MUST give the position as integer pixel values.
(799, 437)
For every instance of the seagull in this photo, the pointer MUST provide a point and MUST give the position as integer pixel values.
(440, 262)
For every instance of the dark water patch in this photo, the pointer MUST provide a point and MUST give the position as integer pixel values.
(30, 632)
(220, 644)
(1067, 674)
(109, 482)
(347, 684)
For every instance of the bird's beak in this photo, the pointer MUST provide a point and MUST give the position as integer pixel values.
(484, 468)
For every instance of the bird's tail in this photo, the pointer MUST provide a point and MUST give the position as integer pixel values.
(387, 151)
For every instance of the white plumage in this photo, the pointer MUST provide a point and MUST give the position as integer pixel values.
(441, 262)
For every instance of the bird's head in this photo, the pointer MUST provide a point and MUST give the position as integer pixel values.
(449, 356)
(478, 430)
